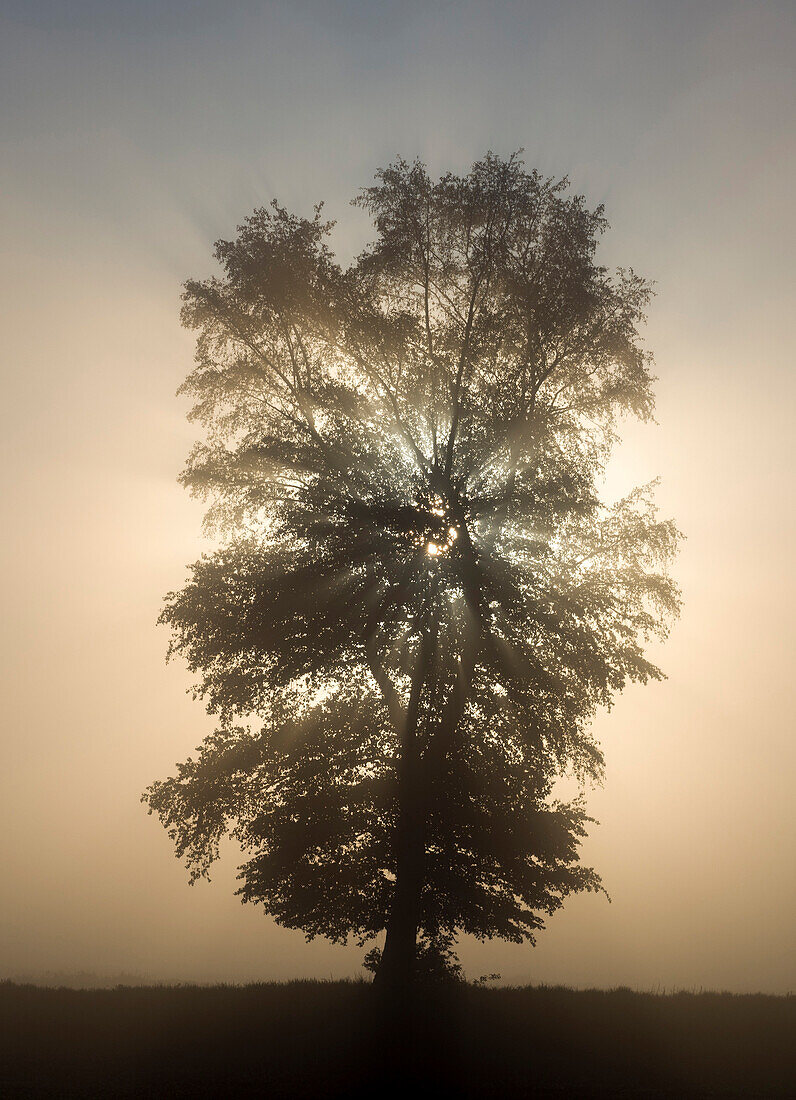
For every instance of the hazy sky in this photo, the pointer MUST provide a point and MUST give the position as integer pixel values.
(133, 135)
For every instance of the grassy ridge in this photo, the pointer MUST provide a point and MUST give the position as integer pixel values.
(329, 1039)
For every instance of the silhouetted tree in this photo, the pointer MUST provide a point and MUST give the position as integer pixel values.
(419, 601)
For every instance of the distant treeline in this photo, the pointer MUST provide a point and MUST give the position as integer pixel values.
(328, 1039)
(84, 979)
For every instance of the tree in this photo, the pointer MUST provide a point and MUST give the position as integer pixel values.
(419, 600)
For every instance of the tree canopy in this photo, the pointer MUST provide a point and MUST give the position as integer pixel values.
(418, 600)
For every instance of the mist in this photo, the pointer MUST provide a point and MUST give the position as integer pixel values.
(134, 135)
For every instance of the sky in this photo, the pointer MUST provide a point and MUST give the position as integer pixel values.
(133, 135)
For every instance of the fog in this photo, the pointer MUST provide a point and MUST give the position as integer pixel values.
(133, 136)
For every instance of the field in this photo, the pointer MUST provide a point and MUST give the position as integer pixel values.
(329, 1039)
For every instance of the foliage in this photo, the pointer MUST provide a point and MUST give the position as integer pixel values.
(419, 600)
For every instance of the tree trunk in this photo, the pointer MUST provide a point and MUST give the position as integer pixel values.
(397, 967)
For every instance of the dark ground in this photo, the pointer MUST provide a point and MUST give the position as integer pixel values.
(330, 1039)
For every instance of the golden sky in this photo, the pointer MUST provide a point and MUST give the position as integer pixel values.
(134, 135)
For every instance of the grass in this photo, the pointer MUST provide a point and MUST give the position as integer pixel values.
(336, 1039)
